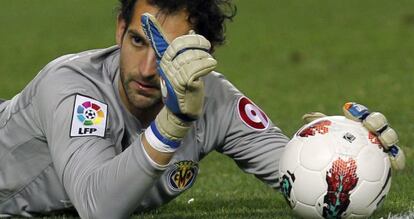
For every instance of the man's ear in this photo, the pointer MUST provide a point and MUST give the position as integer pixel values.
(120, 30)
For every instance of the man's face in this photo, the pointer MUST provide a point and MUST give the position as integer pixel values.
(139, 78)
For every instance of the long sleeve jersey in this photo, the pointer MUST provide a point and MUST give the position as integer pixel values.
(67, 141)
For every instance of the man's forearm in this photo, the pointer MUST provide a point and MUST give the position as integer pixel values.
(110, 188)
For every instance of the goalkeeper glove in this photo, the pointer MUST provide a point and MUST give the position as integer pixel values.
(180, 66)
(376, 123)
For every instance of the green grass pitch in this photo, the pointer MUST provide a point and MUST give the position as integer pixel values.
(289, 56)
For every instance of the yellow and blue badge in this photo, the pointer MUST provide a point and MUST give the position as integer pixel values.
(182, 175)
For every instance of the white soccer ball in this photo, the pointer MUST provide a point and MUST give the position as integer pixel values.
(334, 168)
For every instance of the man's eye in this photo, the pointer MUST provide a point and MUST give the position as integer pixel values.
(137, 41)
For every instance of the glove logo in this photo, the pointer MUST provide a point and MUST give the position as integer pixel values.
(164, 91)
(252, 115)
(89, 117)
(182, 175)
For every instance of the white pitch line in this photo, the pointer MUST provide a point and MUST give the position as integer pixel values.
(405, 215)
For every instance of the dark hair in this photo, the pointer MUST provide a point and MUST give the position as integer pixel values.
(207, 16)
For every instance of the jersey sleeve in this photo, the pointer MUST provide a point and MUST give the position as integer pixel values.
(252, 140)
(244, 132)
(99, 182)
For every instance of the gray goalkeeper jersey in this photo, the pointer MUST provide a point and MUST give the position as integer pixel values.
(67, 141)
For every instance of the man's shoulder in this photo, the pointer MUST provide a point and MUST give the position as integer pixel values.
(78, 68)
(217, 86)
(81, 73)
(77, 61)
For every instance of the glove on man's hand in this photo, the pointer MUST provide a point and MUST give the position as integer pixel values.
(180, 66)
(376, 123)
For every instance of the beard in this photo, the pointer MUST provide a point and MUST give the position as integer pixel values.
(141, 99)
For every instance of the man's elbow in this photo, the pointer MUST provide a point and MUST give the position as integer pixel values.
(92, 203)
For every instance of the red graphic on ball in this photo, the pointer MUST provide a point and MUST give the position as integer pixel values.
(341, 179)
(320, 127)
(252, 115)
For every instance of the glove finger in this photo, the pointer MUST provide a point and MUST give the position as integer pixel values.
(155, 34)
(181, 78)
(198, 68)
(193, 101)
(388, 138)
(375, 122)
(183, 43)
(189, 56)
(355, 111)
(309, 117)
(397, 157)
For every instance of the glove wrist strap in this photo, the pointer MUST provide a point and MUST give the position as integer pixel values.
(159, 142)
(166, 132)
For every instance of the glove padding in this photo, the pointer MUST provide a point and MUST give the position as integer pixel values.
(374, 122)
(377, 124)
(170, 126)
(180, 65)
(309, 117)
(182, 71)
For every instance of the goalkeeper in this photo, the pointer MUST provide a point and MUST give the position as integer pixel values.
(114, 131)
(97, 131)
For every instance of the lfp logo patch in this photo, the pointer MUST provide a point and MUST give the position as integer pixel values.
(181, 175)
(90, 113)
(89, 117)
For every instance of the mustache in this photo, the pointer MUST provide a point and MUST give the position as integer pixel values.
(151, 82)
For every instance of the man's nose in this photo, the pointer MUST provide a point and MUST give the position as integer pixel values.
(148, 66)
